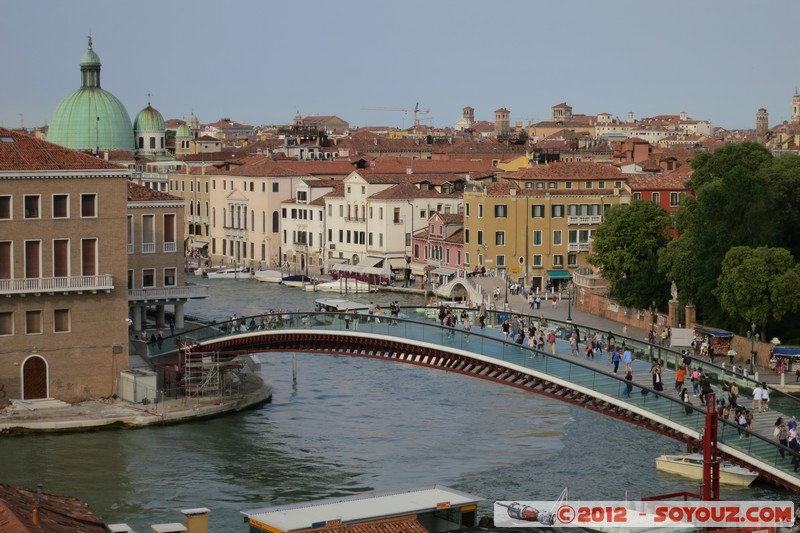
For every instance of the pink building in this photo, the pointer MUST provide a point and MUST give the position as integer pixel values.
(439, 248)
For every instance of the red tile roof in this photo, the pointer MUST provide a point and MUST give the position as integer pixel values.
(56, 513)
(565, 171)
(139, 193)
(23, 152)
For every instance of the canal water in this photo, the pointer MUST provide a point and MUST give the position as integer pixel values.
(346, 426)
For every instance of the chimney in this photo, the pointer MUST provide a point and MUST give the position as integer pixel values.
(37, 502)
(173, 527)
(119, 528)
(196, 519)
(409, 170)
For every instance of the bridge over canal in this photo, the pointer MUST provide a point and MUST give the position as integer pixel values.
(418, 339)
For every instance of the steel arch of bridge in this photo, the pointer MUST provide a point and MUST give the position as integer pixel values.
(358, 344)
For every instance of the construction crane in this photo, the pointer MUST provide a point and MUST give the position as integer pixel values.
(417, 111)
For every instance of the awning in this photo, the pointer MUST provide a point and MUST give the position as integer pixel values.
(396, 263)
(372, 260)
(335, 260)
(559, 274)
(787, 351)
(199, 244)
(714, 332)
(444, 271)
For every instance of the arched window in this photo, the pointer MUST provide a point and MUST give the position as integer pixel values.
(276, 222)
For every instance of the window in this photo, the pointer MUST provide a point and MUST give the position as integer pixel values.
(657, 198)
(588, 185)
(148, 234)
(61, 322)
(466, 236)
(61, 258)
(537, 211)
(60, 206)
(88, 257)
(637, 196)
(6, 323)
(617, 184)
(500, 261)
(558, 261)
(557, 211)
(152, 143)
(480, 237)
(567, 184)
(537, 237)
(170, 277)
(276, 187)
(500, 238)
(33, 323)
(32, 205)
(674, 199)
(170, 233)
(88, 205)
(572, 260)
(537, 261)
(466, 210)
(500, 211)
(480, 210)
(556, 237)
(33, 259)
(551, 184)
(6, 260)
(5, 207)
(148, 278)
(601, 184)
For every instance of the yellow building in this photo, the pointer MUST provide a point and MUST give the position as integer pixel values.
(537, 224)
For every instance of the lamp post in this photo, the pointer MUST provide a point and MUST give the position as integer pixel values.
(505, 296)
(753, 338)
(569, 303)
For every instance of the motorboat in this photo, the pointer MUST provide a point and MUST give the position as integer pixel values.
(227, 273)
(343, 286)
(691, 465)
(298, 280)
(269, 276)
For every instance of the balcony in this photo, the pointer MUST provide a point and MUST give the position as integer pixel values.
(170, 247)
(584, 219)
(104, 282)
(130, 248)
(167, 293)
(148, 247)
(235, 233)
(578, 247)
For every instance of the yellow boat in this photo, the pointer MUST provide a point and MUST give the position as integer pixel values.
(691, 465)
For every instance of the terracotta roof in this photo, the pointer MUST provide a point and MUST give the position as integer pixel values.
(452, 218)
(407, 191)
(562, 171)
(139, 193)
(503, 188)
(658, 182)
(387, 525)
(21, 152)
(56, 513)
(457, 237)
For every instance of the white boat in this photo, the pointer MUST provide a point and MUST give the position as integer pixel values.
(691, 465)
(269, 276)
(228, 273)
(343, 286)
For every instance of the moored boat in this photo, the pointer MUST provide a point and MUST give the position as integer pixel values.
(343, 286)
(690, 465)
(228, 273)
(298, 280)
(269, 276)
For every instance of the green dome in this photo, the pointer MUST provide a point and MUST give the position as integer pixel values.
(90, 58)
(149, 119)
(91, 117)
(183, 132)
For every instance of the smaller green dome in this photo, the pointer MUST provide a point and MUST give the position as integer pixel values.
(90, 58)
(183, 132)
(149, 119)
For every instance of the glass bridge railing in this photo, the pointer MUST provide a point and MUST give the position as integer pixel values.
(422, 325)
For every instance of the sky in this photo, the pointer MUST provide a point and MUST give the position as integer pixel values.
(260, 62)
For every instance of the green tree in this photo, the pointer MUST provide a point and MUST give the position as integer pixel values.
(750, 157)
(625, 247)
(783, 177)
(753, 286)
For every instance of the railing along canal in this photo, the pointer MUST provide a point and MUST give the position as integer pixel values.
(422, 325)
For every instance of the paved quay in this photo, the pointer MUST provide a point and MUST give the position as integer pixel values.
(54, 416)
